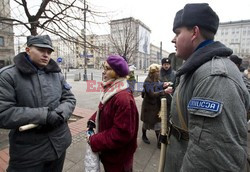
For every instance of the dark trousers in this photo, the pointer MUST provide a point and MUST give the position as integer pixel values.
(47, 166)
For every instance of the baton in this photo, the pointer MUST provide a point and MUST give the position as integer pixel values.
(27, 127)
(30, 126)
(163, 115)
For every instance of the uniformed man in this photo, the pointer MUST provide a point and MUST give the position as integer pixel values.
(167, 73)
(209, 107)
(33, 91)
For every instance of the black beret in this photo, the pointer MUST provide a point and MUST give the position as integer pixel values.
(42, 41)
(197, 14)
(165, 60)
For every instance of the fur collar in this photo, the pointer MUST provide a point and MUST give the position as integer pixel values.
(203, 55)
(26, 67)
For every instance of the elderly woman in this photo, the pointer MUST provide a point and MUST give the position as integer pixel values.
(116, 119)
(153, 90)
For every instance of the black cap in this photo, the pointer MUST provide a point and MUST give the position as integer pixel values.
(42, 41)
(236, 59)
(165, 60)
(197, 14)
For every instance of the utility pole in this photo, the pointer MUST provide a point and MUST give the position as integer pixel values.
(85, 78)
(160, 50)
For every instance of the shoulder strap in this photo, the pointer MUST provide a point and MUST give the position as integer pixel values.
(183, 124)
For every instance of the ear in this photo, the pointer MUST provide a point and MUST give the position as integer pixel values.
(195, 32)
(27, 49)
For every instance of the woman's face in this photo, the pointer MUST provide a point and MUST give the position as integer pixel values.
(107, 73)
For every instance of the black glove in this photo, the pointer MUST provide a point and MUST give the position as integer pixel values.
(91, 125)
(163, 139)
(54, 119)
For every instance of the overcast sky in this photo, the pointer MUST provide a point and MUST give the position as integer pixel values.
(158, 15)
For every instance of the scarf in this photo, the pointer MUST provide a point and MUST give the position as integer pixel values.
(110, 88)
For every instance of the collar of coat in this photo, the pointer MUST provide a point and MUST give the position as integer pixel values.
(203, 55)
(27, 67)
(113, 87)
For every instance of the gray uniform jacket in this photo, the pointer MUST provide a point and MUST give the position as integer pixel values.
(213, 100)
(26, 94)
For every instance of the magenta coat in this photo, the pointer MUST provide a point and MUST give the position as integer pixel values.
(116, 140)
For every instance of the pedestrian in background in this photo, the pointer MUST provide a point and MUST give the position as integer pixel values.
(209, 106)
(131, 77)
(153, 90)
(167, 74)
(116, 119)
(33, 91)
(238, 62)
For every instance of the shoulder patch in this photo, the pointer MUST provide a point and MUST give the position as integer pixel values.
(67, 86)
(204, 104)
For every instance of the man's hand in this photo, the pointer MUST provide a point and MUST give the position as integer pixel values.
(167, 84)
(54, 119)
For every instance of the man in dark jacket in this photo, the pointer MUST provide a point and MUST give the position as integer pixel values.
(209, 106)
(167, 74)
(33, 91)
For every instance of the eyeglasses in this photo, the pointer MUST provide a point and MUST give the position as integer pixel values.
(106, 68)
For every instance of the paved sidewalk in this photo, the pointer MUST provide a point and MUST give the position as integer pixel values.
(76, 129)
(146, 157)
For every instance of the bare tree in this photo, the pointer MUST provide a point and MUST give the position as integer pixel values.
(124, 38)
(64, 18)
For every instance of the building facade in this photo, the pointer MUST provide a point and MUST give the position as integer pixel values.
(6, 35)
(128, 37)
(156, 54)
(65, 50)
(236, 35)
(131, 38)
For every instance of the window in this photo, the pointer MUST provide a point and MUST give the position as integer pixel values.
(1, 41)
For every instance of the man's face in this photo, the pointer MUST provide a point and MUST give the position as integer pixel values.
(166, 66)
(183, 42)
(39, 56)
(107, 73)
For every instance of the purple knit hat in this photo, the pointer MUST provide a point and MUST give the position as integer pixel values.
(118, 64)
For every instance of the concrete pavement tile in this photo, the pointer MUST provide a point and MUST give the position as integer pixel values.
(78, 167)
(76, 151)
(153, 165)
(68, 165)
(138, 167)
